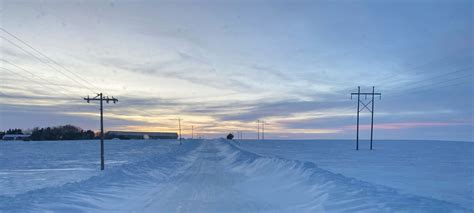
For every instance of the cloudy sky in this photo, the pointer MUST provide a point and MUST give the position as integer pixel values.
(223, 65)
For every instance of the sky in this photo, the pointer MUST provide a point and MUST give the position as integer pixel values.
(222, 65)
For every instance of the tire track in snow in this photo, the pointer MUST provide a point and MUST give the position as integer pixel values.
(218, 176)
(204, 186)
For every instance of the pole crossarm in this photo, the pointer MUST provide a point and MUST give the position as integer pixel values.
(367, 94)
(97, 98)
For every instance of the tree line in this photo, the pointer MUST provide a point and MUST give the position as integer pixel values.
(66, 132)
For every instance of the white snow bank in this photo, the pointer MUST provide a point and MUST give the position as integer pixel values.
(26, 166)
(217, 176)
(442, 170)
(288, 180)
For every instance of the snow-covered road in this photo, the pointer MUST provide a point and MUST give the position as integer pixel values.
(218, 176)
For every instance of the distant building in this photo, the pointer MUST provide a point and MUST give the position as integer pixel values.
(15, 137)
(141, 135)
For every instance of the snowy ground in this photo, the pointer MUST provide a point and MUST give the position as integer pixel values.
(441, 170)
(218, 176)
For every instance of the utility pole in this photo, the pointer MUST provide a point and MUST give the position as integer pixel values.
(192, 132)
(372, 120)
(258, 129)
(179, 128)
(101, 98)
(371, 110)
(239, 135)
(263, 130)
(358, 111)
(179, 123)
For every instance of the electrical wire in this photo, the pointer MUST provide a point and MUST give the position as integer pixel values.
(41, 60)
(50, 59)
(36, 82)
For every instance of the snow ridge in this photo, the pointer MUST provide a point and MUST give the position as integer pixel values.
(219, 176)
(325, 191)
(90, 195)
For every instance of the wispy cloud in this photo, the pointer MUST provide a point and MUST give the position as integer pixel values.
(411, 125)
(224, 65)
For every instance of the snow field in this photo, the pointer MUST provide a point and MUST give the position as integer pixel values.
(216, 176)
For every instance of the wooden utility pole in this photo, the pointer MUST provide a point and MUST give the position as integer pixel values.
(179, 128)
(365, 106)
(358, 111)
(372, 120)
(192, 132)
(179, 120)
(101, 98)
(258, 129)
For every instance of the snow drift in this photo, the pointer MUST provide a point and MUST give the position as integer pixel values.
(218, 176)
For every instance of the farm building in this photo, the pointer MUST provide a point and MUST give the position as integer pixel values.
(140, 135)
(15, 137)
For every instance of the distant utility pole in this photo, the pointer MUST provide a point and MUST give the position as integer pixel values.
(179, 125)
(192, 132)
(261, 127)
(101, 98)
(365, 106)
(258, 129)
(239, 135)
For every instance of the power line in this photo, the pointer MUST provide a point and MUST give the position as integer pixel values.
(430, 88)
(39, 83)
(41, 60)
(37, 76)
(422, 87)
(34, 81)
(438, 59)
(17, 79)
(435, 77)
(436, 85)
(446, 74)
(50, 59)
(444, 81)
